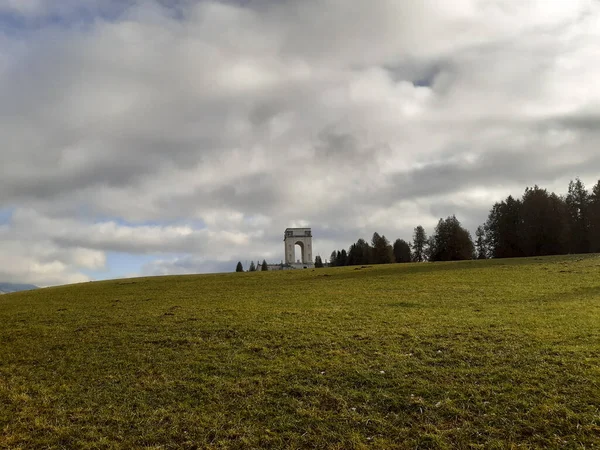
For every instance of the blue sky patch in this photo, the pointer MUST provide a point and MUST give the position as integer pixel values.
(6, 215)
(120, 265)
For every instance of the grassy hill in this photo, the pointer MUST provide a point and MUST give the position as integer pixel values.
(489, 354)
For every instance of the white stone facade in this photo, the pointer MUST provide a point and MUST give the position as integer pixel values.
(303, 238)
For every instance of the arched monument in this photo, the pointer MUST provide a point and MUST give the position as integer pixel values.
(303, 238)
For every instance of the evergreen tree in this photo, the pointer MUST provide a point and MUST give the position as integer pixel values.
(559, 228)
(252, 267)
(387, 251)
(352, 254)
(401, 251)
(503, 229)
(264, 266)
(594, 211)
(343, 261)
(419, 244)
(318, 262)
(577, 201)
(333, 259)
(492, 231)
(375, 239)
(537, 224)
(544, 224)
(382, 252)
(239, 267)
(480, 243)
(359, 253)
(450, 242)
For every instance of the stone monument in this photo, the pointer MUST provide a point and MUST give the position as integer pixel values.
(303, 238)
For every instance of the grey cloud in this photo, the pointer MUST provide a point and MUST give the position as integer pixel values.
(252, 116)
(422, 72)
(585, 121)
(524, 168)
(258, 193)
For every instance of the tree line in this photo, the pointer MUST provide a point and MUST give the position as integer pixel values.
(378, 251)
(449, 242)
(539, 223)
(543, 223)
(253, 267)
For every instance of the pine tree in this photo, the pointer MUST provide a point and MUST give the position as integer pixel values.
(359, 253)
(594, 205)
(352, 253)
(252, 267)
(480, 243)
(450, 242)
(503, 229)
(343, 258)
(318, 262)
(402, 251)
(239, 267)
(419, 244)
(376, 249)
(577, 201)
(264, 266)
(333, 259)
(544, 224)
(382, 250)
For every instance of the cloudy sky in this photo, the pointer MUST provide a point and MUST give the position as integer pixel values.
(161, 136)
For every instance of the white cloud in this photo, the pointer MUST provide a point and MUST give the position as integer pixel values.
(42, 263)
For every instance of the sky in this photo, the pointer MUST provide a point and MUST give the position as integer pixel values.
(168, 137)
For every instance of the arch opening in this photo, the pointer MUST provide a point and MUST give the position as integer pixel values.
(299, 254)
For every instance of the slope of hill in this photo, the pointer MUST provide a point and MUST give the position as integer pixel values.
(7, 288)
(478, 354)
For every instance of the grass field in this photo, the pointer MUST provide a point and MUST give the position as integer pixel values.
(478, 354)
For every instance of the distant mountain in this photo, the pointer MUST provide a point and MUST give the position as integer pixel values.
(7, 288)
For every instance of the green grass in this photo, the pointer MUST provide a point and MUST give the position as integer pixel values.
(490, 354)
